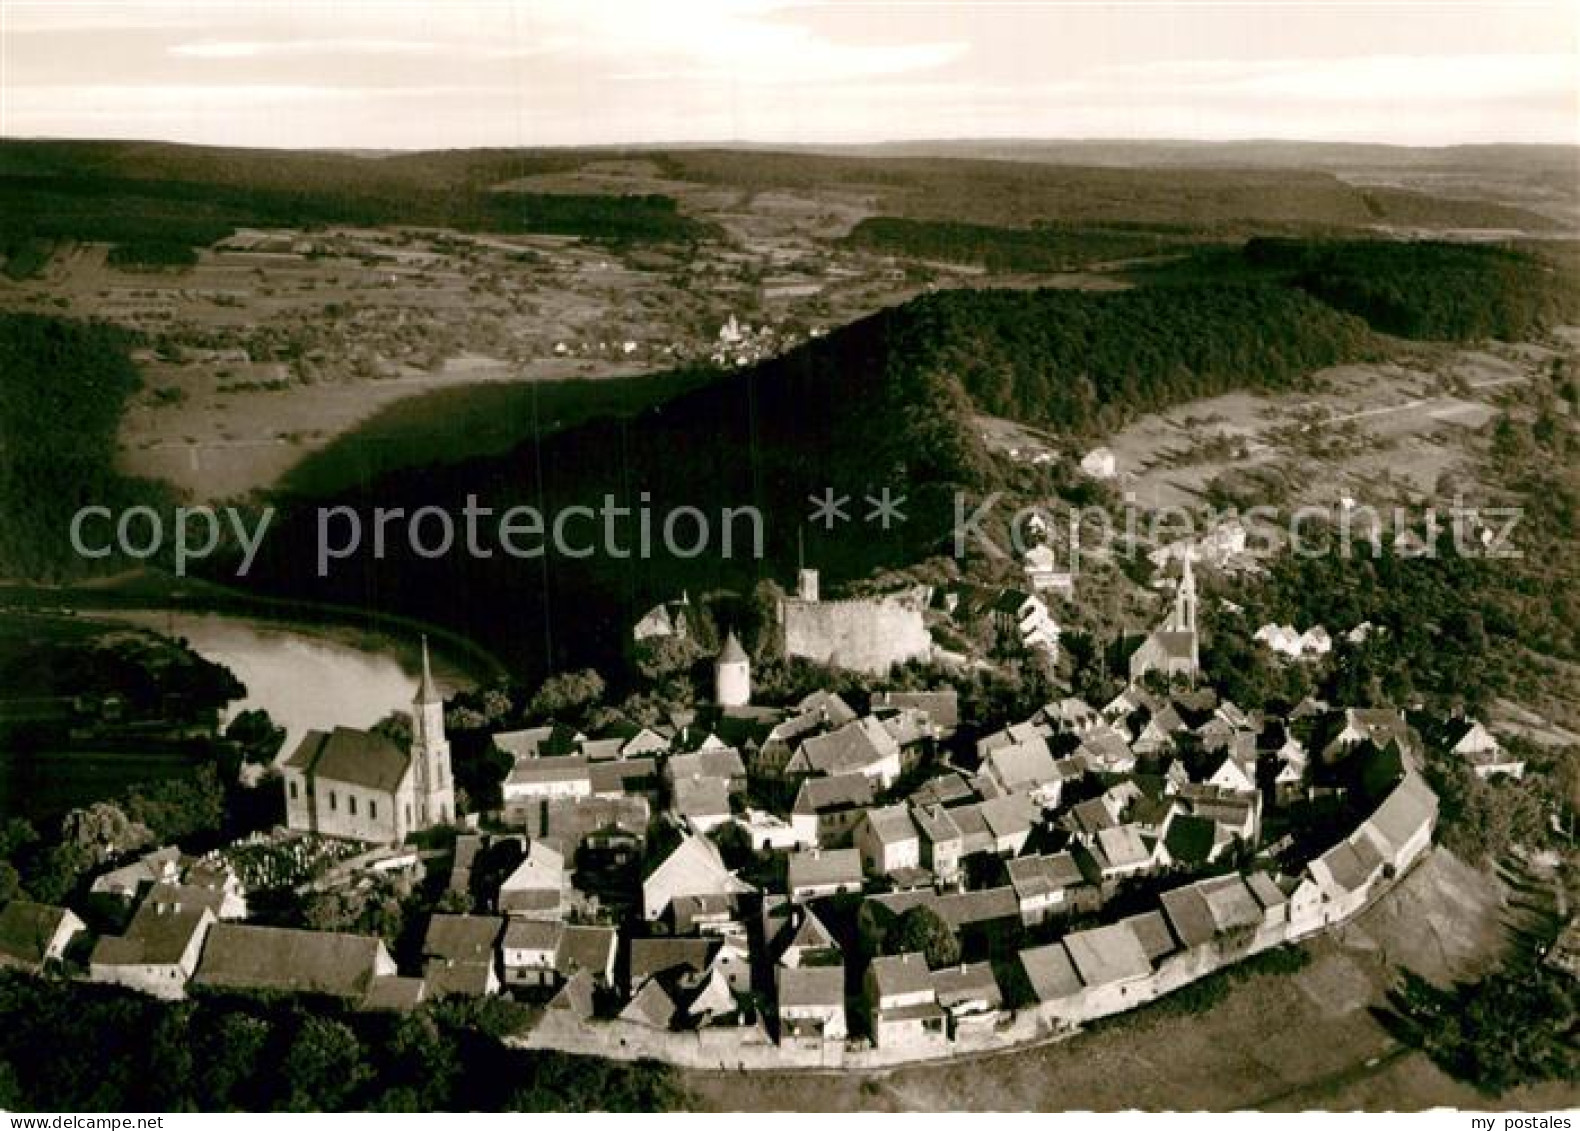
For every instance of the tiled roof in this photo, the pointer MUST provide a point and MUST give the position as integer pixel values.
(1106, 955)
(1051, 973)
(355, 757)
(240, 956)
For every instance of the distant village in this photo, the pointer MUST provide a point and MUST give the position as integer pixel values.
(822, 884)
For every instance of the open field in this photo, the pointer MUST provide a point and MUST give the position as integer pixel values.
(1378, 433)
(1309, 1040)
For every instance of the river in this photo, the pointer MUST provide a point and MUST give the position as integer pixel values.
(308, 677)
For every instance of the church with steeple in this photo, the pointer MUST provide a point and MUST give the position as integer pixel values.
(361, 785)
(1173, 649)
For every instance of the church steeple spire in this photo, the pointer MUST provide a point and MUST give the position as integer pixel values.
(1185, 602)
(427, 690)
(435, 792)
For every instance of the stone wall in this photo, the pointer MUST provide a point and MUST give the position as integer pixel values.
(865, 634)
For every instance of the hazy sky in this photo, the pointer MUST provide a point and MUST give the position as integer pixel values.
(549, 72)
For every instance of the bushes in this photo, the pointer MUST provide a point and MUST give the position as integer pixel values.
(94, 1048)
(1513, 1027)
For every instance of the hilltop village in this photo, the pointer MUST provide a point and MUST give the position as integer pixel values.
(828, 883)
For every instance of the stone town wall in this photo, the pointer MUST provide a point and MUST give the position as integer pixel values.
(864, 634)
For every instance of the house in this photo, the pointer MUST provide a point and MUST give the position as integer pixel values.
(607, 826)
(795, 936)
(1123, 850)
(1009, 821)
(1044, 885)
(941, 841)
(942, 707)
(1236, 813)
(1379, 726)
(625, 778)
(587, 951)
(1113, 967)
(35, 935)
(692, 868)
(818, 873)
(360, 785)
(163, 865)
(702, 803)
(1043, 574)
(861, 747)
(1105, 750)
(970, 995)
(722, 762)
(1401, 827)
(239, 956)
(226, 896)
(1158, 731)
(902, 1002)
(770, 833)
(1227, 913)
(651, 1006)
(673, 959)
(535, 779)
(1024, 618)
(540, 886)
(158, 952)
(391, 993)
(1023, 766)
(826, 810)
(528, 950)
(668, 619)
(1072, 715)
(459, 955)
(888, 840)
(1050, 973)
(537, 953)
(811, 1004)
(1236, 774)
(1477, 745)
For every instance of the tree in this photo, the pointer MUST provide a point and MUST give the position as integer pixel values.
(568, 696)
(395, 726)
(922, 929)
(178, 808)
(325, 1066)
(254, 731)
(103, 831)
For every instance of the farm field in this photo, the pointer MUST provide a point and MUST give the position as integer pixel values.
(1379, 433)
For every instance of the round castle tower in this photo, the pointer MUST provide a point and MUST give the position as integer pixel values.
(732, 675)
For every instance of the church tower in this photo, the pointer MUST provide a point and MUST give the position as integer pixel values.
(430, 752)
(1185, 598)
(732, 675)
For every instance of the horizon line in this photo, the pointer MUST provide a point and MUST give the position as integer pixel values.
(746, 143)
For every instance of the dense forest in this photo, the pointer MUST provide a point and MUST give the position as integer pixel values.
(1079, 361)
(66, 384)
(92, 1048)
(1428, 290)
(144, 213)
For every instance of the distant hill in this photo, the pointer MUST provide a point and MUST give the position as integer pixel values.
(161, 200)
(888, 401)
